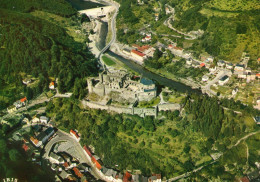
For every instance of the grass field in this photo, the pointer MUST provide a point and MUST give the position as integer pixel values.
(108, 61)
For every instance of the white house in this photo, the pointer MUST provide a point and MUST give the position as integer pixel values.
(35, 119)
(229, 66)
(223, 80)
(239, 67)
(205, 78)
(52, 86)
(138, 56)
(11, 109)
(44, 119)
(221, 63)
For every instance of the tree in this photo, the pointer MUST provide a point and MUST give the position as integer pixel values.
(14, 155)
(3, 146)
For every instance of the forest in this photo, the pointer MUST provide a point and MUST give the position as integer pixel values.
(30, 46)
(171, 144)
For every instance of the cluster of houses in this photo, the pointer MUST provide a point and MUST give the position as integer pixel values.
(69, 168)
(42, 135)
(18, 104)
(114, 175)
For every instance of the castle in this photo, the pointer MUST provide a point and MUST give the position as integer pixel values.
(121, 82)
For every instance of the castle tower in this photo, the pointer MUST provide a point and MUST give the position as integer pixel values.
(90, 85)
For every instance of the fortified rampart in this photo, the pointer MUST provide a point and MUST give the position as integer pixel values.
(127, 110)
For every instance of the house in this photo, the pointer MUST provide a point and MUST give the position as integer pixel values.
(229, 66)
(167, 10)
(35, 119)
(26, 120)
(140, 57)
(127, 177)
(64, 175)
(44, 119)
(242, 74)
(188, 61)
(258, 60)
(26, 81)
(87, 151)
(223, 80)
(250, 77)
(20, 103)
(25, 147)
(202, 65)
(11, 109)
(35, 141)
(45, 135)
(212, 68)
(239, 67)
(257, 75)
(221, 63)
(77, 172)
(52, 86)
(96, 162)
(56, 159)
(205, 78)
(177, 50)
(127, 51)
(75, 135)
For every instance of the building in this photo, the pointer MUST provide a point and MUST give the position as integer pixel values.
(239, 67)
(202, 65)
(222, 81)
(213, 68)
(44, 136)
(20, 103)
(189, 61)
(64, 175)
(35, 119)
(241, 74)
(75, 135)
(234, 91)
(221, 63)
(177, 50)
(155, 178)
(205, 78)
(11, 109)
(121, 83)
(77, 172)
(138, 56)
(229, 66)
(35, 141)
(52, 86)
(56, 159)
(127, 51)
(44, 119)
(98, 165)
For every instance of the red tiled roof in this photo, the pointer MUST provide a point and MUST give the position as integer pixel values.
(136, 46)
(158, 176)
(87, 150)
(66, 165)
(258, 75)
(202, 64)
(138, 53)
(34, 140)
(148, 37)
(52, 83)
(23, 99)
(127, 177)
(178, 48)
(170, 46)
(77, 172)
(258, 59)
(96, 163)
(74, 133)
(25, 147)
(143, 48)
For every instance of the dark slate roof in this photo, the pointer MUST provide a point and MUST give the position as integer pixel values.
(48, 130)
(146, 81)
(257, 119)
(149, 90)
(224, 78)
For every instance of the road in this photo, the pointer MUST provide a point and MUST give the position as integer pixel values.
(113, 29)
(80, 154)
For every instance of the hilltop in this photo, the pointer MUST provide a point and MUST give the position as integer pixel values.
(36, 48)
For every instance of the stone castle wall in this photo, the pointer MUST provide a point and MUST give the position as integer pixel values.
(138, 111)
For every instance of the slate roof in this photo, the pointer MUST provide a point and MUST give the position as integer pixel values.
(146, 81)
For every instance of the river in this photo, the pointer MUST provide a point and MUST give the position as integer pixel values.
(132, 65)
